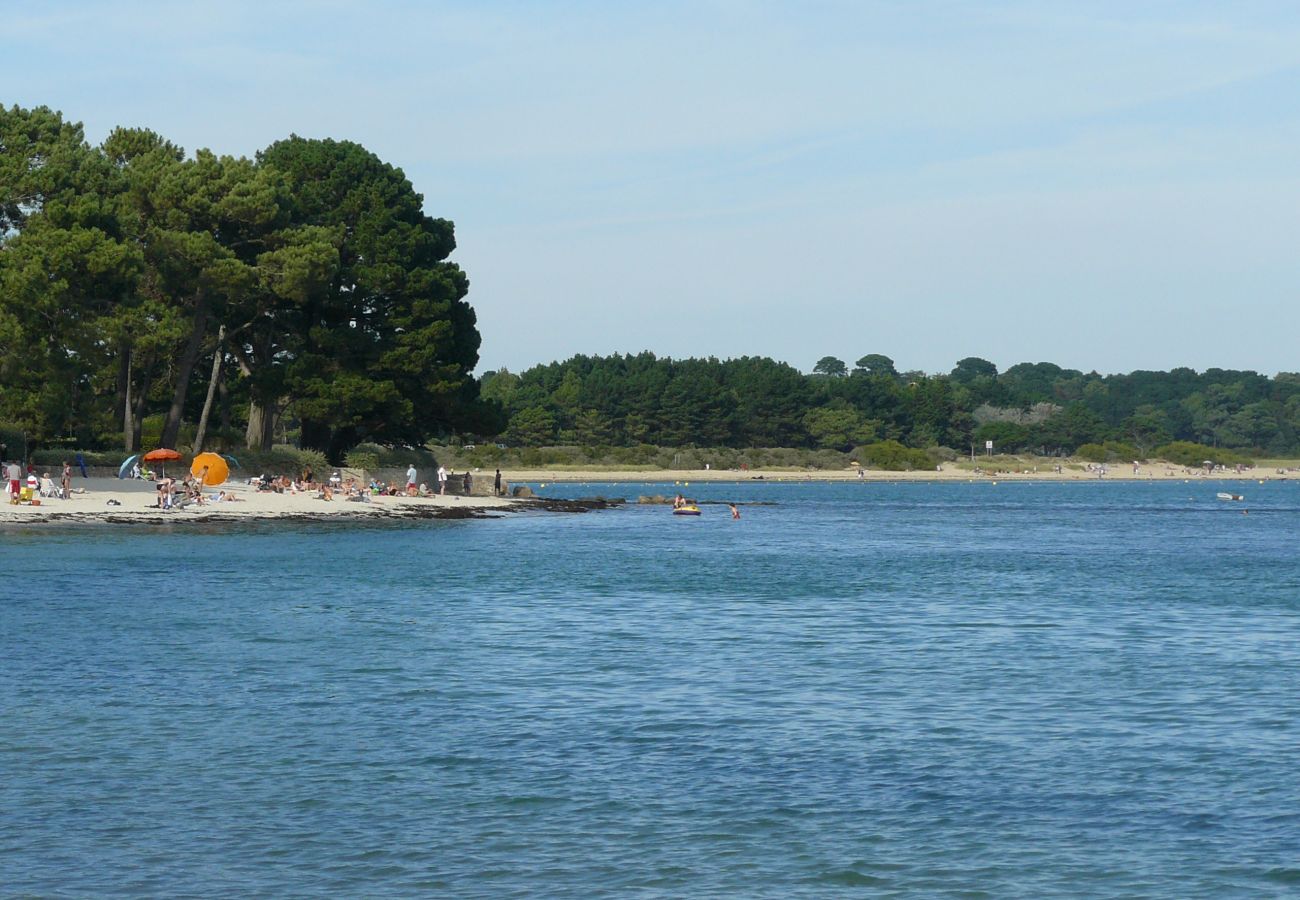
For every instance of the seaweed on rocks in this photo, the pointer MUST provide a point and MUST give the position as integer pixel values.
(586, 504)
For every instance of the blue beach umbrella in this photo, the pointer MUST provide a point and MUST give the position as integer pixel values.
(121, 472)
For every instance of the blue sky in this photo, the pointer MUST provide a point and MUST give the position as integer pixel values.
(1106, 186)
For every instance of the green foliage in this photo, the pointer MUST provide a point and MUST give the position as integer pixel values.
(54, 457)
(381, 338)
(13, 441)
(1188, 453)
(838, 426)
(971, 368)
(282, 459)
(151, 433)
(361, 459)
(1110, 451)
(892, 457)
(311, 272)
(397, 457)
(625, 401)
(1006, 436)
(531, 427)
(876, 364)
(1070, 428)
(831, 367)
(1091, 452)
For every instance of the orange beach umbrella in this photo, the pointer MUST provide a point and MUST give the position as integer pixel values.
(161, 455)
(218, 468)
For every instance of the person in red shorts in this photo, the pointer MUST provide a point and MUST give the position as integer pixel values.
(15, 473)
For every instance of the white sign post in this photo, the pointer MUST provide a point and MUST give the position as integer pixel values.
(988, 448)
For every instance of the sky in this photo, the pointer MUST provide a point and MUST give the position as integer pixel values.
(1108, 186)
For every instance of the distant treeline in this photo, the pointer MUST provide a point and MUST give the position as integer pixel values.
(628, 400)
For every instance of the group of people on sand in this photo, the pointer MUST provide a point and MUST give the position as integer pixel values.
(173, 494)
(23, 489)
(350, 488)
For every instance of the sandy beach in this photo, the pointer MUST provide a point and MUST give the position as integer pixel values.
(948, 472)
(128, 501)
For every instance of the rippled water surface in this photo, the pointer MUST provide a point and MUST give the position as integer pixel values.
(1019, 690)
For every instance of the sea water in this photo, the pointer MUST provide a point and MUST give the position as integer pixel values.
(999, 689)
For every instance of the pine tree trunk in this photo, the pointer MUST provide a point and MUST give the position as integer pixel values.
(224, 393)
(137, 417)
(184, 367)
(212, 389)
(261, 425)
(130, 434)
(253, 434)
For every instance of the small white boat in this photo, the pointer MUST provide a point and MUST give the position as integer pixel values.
(1224, 495)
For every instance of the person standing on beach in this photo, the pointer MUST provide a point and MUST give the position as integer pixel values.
(496, 484)
(15, 474)
(442, 480)
(412, 486)
(66, 481)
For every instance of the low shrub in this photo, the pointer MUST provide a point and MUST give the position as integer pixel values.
(362, 459)
(284, 460)
(54, 456)
(1186, 453)
(1110, 451)
(396, 457)
(892, 456)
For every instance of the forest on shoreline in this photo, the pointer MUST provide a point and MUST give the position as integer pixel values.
(625, 401)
